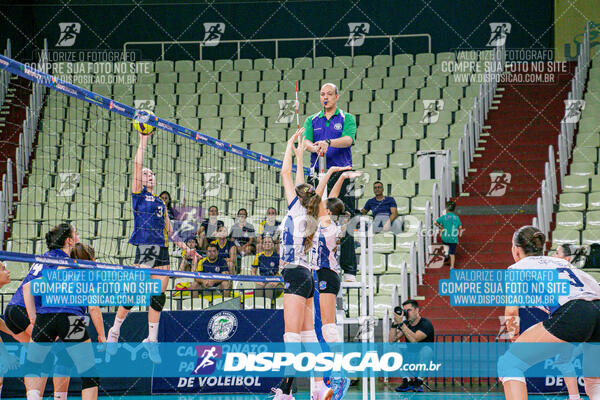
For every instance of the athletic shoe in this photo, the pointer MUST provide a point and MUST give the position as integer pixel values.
(405, 387)
(340, 387)
(278, 395)
(111, 342)
(152, 349)
(324, 393)
(417, 385)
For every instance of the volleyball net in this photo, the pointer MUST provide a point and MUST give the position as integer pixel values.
(81, 163)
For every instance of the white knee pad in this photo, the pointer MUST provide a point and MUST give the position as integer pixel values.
(511, 368)
(330, 333)
(592, 388)
(309, 336)
(291, 337)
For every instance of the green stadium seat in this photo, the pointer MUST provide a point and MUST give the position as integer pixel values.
(453, 92)
(392, 82)
(583, 169)
(376, 72)
(283, 63)
(184, 66)
(594, 201)
(430, 144)
(362, 61)
(400, 160)
(413, 130)
(353, 83)
(313, 74)
(250, 76)
(565, 236)
(268, 86)
(430, 93)
(404, 241)
(167, 77)
(569, 220)
(164, 88)
(243, 64)
(595, 186)
(210, 123)
(414, 82)
(590, 236)
(418, 204)
(587, 140)
(403, 59)
(572, 202)
(398, 71)
(247, 86)
(231, 98)
(421, 71)
(383, 60)
(438, 131)
(164, 66)
(372, 83)
(425, 59)
(585, 154)
(592, 220)
(385, 95)
(185, 88)
(271, 75)
(322, 62)
(403, 188)
(579, 184)
(383, 242)
(203, 65)
(303, 63)
(362, 95)
(342, 62)
(445, 57)
(223, 65)
(405, 145)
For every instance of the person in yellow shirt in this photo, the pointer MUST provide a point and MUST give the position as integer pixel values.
(212, 264)
(266, 263)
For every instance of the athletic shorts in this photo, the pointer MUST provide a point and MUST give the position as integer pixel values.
(69, 328)
(328, 281)
(298, 280)
(16, 318)
(576, 321)
(151, 256)
(452, 246)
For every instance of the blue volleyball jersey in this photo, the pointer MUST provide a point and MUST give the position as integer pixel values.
(223, 251)
(217, 266)
(35, 272)
(149, 219)
(41, 309)
(267, 264)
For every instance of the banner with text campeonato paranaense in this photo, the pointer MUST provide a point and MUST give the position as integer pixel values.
(220, 327)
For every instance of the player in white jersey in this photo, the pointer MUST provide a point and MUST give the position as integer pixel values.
(575, 319)
(324, 259)
(297, 234)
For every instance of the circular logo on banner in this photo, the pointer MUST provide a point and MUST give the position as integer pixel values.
(222, 326)
(337, 126)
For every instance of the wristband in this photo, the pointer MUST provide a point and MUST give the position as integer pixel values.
(328, 141)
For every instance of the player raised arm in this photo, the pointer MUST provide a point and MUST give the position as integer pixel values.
(299, 152)
(138, 164)
(323, 183)
(286, 168)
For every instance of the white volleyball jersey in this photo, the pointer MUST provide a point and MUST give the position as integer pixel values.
(325, 251)
(293, 235)
(582, 286)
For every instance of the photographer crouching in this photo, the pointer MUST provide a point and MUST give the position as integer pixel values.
(409, 324)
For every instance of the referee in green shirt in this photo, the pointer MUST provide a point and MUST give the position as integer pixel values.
(332, 132)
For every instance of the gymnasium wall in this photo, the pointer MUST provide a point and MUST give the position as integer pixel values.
(106, 25)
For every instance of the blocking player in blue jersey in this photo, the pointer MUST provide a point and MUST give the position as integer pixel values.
(151, 231)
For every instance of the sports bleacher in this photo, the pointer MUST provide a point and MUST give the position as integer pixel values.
(578, 216)
(238, 102)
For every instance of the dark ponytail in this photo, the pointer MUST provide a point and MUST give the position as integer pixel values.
(530, 239)
(57, 236)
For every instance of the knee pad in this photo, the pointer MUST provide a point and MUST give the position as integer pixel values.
(87, 383)
(128, 308)
(511, 368)
(309, 336)
(330, 333)
(592, 388)
(158, 302)
(291, 337)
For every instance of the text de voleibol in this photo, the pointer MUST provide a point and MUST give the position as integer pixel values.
(78, 287)
(514, 287)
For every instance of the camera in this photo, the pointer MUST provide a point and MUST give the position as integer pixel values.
(400, 311)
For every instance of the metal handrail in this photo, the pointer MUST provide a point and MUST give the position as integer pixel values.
(276, 42)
